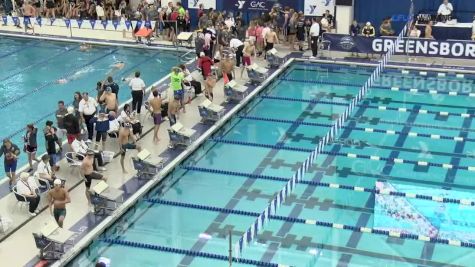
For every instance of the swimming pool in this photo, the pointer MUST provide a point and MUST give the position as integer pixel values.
(405, 138)
(30, 68)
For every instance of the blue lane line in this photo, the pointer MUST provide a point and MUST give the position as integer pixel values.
(386, 88)
(348, 127)
(341, 154)
(7, 77)
(66, 75)
(70, 103)
(309, 222)
(185, 252)
(18, 50)
(364, 105)
(420, 125)
(386, 70)
(329, 185)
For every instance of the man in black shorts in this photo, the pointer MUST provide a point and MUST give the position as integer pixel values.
(87, 170)
(126, 141)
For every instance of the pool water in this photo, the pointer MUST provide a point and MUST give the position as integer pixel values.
(29, 93)
(263, 146)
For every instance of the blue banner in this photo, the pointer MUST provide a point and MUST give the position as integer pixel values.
(26, 20)
(104, 23)
(51, 20)
(138, 25)
(148, 24)
(4, 18)
(15, 20)
(115, 23)
(67, 22)
(409, 46)
(39, 21)
(92, 22)
(79, 21)
(127, 24)
(246, 5)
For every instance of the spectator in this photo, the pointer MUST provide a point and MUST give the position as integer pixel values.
(292, 30)
(176, 83)
(53, 145)
(473, 29)
(414, 32)
(113, 85)
(428, 30)
(137, 86)
(82, 149)
(71, 124)
(189, 78)
(102, 127)
(10, 153)
(26, 187)
(300, 30)
(330, 19)
(87, 110)
(355, 28)
(238, 46)
(31, 144)
(386, 29)
(61, 112)
(205, 63)
(44, 170)
(314, 34)
(77, 98)
(200, 11)
(368, 30)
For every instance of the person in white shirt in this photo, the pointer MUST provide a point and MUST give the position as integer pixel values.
(44, 170)
(314, 33)
(87, 109)
(81, 149)
(138, 91)
(445, 10)
(26, 187)
(237, 45)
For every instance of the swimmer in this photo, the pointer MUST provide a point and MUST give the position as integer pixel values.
(118, 65)
(85, 47)
(62, 81)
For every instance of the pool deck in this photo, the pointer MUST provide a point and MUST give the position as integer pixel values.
(79, 219)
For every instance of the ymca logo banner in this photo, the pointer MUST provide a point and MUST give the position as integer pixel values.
(318, 7)
(194, 4)
(248, 5)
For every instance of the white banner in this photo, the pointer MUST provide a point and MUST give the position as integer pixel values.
(194, 4)
(318, 7)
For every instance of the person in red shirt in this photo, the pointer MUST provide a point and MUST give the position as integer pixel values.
(205, 63)
(201, 11)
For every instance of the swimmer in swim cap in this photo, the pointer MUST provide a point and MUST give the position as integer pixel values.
(62, 81)
(85, 47)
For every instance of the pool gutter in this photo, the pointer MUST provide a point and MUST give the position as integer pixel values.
(107, 222)
(98, 42)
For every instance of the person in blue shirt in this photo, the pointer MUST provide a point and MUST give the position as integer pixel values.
(102, 127)
(10, 153)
